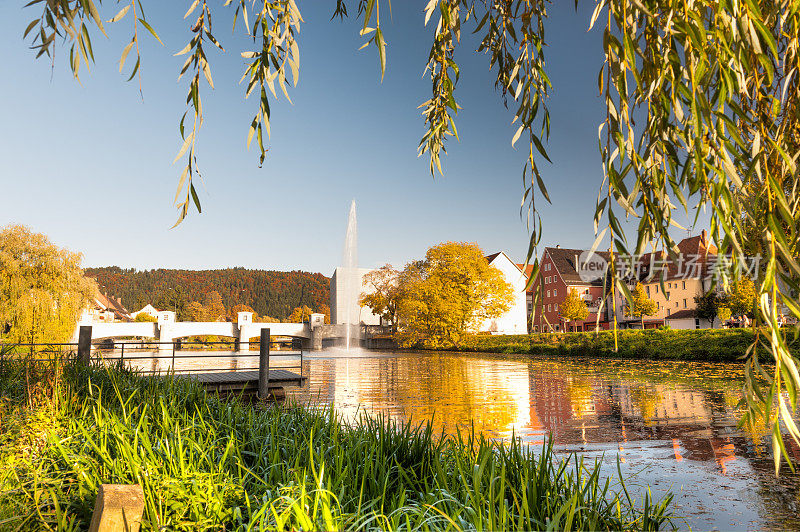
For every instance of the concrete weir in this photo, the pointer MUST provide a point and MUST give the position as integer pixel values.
(166, 330)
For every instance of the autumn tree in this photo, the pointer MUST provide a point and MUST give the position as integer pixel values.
(233, 313)
(326, 310)
(449, 294)
(742, 297)
(42, 288)
(299, 315)
(640, 305)
(145, 317)
(723, 313)
(573, 308)
(382, 292)
(213, 308)
(195, 311)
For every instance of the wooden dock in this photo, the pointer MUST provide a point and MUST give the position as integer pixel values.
(236, 381)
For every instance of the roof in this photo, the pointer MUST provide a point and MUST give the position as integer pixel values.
(694, 253)
(113, 305)
(490, 259)
(565, 261)
(527, 270)
(696, 249)
(682, 314)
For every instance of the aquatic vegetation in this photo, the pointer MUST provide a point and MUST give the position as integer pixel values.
(212, 463)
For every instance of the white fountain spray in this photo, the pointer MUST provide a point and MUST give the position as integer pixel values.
(352, 286)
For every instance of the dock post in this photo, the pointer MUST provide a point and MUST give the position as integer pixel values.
(263, 364)
(84, 343)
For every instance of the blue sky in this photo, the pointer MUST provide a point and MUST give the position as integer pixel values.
(91, 166)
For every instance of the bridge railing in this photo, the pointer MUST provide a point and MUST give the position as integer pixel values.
(269, 348)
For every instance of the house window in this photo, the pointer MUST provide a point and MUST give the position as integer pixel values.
(676, 304)
(684, 284)
(696, 323)
(586, 291)
(648, 290)
(558, 327)
(668, 312)
(548, 293)
(555, 307)
(548, 308)
(555, 292)
(684, 303)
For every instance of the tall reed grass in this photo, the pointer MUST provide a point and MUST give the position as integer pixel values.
(207, 463)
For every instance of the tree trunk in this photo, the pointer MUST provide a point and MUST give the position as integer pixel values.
(642, 321)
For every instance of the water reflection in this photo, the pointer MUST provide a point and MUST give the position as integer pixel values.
(673, 426)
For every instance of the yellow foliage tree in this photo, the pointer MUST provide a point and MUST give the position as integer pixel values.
(641, 305)
(233, 313)
(214, 309)
(42, 288)
(449, 294)
(742, 297)
(573, 307)
(383, 292)
(299, 314)
(326, 310)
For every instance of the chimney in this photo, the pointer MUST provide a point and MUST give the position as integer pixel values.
(703, 236)
(558, 246)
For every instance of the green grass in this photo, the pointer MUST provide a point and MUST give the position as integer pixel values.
(713, 345)
(209, 463)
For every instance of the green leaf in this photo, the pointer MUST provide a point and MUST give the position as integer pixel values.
(151, 30)
(195, 198)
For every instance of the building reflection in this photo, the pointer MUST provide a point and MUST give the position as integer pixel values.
(576, 405)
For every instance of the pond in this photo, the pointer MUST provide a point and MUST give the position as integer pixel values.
(671, 426)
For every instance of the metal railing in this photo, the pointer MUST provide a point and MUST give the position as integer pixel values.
(175, 354)
(98, 353)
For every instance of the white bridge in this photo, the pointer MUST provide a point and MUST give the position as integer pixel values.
(166, 330)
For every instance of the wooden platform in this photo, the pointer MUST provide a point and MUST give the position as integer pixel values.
(246, 380)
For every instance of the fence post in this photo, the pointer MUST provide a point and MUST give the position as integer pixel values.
(84, 343)
(263, 364)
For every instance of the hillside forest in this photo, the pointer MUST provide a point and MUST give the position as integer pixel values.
(195, 295)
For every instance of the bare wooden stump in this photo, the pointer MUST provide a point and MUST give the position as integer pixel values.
(118, 508)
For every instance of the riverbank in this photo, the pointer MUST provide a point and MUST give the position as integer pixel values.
(712, 345)
(207, 463)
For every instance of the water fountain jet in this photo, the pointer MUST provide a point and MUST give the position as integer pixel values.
(352, 285)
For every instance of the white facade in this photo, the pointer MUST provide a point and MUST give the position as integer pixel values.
(515, 320)
(687, 323)
(147, 309)
(339, 287)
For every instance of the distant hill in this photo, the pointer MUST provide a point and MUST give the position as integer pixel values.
(269, 293)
